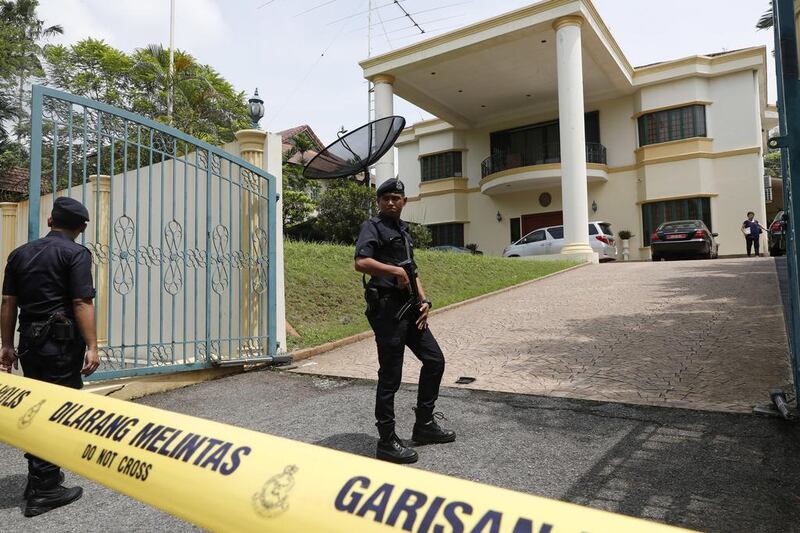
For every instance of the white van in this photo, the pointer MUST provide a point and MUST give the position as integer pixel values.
(545, 241)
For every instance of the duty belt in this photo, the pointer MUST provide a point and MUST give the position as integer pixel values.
(58, 328)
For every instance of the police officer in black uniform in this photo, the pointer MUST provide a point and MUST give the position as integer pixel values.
(50, 280)
(383, 244)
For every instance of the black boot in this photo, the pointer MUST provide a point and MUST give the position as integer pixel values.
(427, 431)
(47, 493)
(29, 488)
(390, 448)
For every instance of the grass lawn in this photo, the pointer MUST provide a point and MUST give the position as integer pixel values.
(325, 299)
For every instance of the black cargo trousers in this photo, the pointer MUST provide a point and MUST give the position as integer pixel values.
(392, 336)
(54, 362)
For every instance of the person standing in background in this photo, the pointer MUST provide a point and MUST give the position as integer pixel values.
(751, 229)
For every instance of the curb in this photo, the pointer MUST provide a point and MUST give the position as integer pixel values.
(305, 353)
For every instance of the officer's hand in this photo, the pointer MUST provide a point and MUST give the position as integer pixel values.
(402, 277)
(90, 362)
(8, 358)
(422, 321)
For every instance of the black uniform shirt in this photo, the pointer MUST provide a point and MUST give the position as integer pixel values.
(46, 275)
(382, 238)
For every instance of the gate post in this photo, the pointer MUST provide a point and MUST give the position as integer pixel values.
(9, 242)
(251, 149)
(274, 165)
(788, 78)
(102, 220)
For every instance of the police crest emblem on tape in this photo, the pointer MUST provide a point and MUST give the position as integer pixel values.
(26, 419)
(271, 500)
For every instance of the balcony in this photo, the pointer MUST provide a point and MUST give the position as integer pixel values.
(541, 155)
(509, 172)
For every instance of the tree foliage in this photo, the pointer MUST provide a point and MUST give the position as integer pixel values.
(343, 206)
(297, 207)
(205, 105)
(765, 21)
(772, 164)
(21, 50)
(421, 235)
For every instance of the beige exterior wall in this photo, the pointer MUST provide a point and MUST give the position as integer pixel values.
(726, 166)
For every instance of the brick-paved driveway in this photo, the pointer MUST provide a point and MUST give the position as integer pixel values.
(694, 334)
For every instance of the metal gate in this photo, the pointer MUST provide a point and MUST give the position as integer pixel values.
(182, 236)
(788, 78)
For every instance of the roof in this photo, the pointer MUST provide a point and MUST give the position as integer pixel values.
(15, 184)
(713, 54)
(291, 132)
(15, 180)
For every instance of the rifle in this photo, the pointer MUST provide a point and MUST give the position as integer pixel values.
(414, 302)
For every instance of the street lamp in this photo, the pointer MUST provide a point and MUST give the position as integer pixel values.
(255, 108)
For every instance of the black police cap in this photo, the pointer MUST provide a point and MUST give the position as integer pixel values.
(69, 212)
(390, 186)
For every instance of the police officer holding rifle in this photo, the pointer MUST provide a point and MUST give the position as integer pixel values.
(397, 310)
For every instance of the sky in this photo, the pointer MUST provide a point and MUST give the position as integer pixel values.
(303, 55)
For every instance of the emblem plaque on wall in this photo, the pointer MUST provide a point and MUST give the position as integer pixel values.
(545, 199)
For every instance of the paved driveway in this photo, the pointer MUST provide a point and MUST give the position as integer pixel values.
(692, 334)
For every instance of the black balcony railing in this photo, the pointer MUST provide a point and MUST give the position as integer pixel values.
(540, 155)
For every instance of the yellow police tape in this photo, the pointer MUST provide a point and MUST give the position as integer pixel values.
(225, 478)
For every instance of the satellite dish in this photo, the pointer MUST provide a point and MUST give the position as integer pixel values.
(357, 151)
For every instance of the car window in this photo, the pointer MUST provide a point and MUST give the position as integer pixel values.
(606, 227)
(556, 233)
(678, 225)
(592, 229)
(534, 236)
(538, 236)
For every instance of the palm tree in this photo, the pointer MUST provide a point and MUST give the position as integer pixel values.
(21, 14)
(301, 143)
(187, 86)
(765, 22)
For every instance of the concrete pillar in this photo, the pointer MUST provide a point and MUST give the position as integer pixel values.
(251, 149)
(384, 107)
(102, 219)
(8, 210)
(273, 163)
(572, 135)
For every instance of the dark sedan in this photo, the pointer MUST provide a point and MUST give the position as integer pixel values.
(683, 238)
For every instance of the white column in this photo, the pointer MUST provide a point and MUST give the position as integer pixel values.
(572, 135)
(384, 107)
(273, 163)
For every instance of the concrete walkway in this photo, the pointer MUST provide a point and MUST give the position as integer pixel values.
(692, 334)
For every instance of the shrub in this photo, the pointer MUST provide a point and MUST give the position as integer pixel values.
(421, 235)
(625, 234)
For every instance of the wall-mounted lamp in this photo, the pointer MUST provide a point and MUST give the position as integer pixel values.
(499, 217)
(594, 206)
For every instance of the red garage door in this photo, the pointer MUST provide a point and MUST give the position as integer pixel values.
(540, 220)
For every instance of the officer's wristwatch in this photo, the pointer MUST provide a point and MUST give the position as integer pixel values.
(430, 304)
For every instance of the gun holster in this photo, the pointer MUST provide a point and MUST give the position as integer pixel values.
(373, 297)
(58, 328)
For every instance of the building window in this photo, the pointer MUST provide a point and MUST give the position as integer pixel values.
(672, 125)
(656, 213)
(515, 229)
(438, 166)
(768, 197)
(537, 144)
(447, 234)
